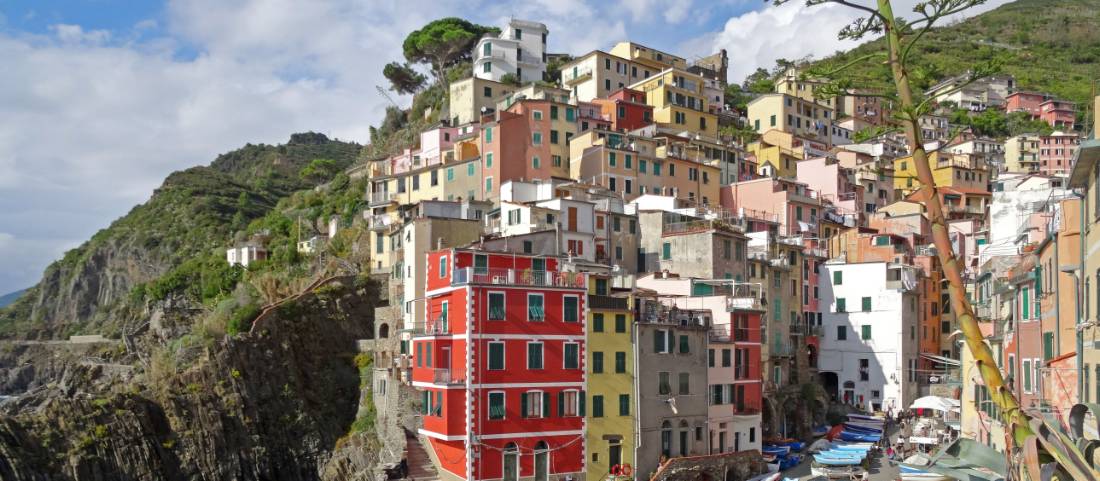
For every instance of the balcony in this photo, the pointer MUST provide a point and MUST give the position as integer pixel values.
(780, 349)
(727, 333)
(578, 76)
(815, 331)
(433, 326)
(447, 376)
(383, 198)
(816, 252)
(744, 297)
(598, 302)
(383, 221)
(797, 329)
(517, 277)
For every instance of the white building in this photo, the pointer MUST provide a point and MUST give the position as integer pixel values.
(869, 353)
(245, 255)
(1016, 198)
(977, 96)
(519, 50)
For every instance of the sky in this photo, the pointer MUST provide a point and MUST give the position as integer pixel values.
(102, 99)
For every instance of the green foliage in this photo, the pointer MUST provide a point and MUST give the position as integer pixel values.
(318, 170)
(510, 79)
(759, 82)
(1047, 45)
(403, 78)
(443, 43)
(553, 67)
(241, 319)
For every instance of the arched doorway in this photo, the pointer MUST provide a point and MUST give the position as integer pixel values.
(684, 448)
(542, 461)
(511, 462)
(831, 383)
(849, 392)
(666, 439)
(384, 331)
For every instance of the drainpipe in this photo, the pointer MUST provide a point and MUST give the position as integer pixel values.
(1081, 297)
(1057, 298)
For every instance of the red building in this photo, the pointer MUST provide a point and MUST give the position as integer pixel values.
(627, 109)
(499, 363)
(1058, 113)
(1029, 102)
(1056, 152)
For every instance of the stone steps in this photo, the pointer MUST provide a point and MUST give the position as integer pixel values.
(418, 460)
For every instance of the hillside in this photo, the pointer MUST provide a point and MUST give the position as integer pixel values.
(100, 286)
(1048, 45)
(10, 297)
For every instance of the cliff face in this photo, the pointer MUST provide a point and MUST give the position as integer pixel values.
(98, 287)
(273, 404)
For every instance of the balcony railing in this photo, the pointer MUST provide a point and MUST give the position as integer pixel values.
(383, 197)
(517, 277)
(448, 376)
(817, 331)
(607, 302)
(781, 349)
(580, 76)
(383, 221)
(727, 333)
(698, 225)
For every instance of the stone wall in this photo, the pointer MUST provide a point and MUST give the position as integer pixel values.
(715, 467)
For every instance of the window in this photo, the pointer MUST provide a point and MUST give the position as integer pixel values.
(443, 312)
(571, 356)
(661, 340)
(569, 403)
(597, 362)
(597, 406)
(536, 138)
(866, 334)
(1027, 375)
(495, 306)
(553, 136)
(664, 386)
(442, 267)
(628, 161)
(866, 304)
(840, 305)
(535, 311)
(535, 404)
(488, 159)
(536, 114)
(489, 184)
(726, 357)
(570, 308)
(616, 224)
(597, 322)
(710, 357)
(685, 383)
(496, 405)
(528, 247)
(838, 278)
(620, 362)
(536, 162)
(666, 251)
(1048, 345)
(620, 323)
(534, 355)
(611, 159)
(841, 333)
(685, 346)
(624, 405)
(496, 356)
(487, 67)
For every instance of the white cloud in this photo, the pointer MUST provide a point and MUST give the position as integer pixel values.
(793, 31)
(75, 34)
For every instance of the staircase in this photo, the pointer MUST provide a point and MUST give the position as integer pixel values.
(418, 460)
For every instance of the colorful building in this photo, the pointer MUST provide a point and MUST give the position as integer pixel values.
(499, 362)
(609, 423)
(626, 109)
(530, 140)
(791, 114)
(679, 102)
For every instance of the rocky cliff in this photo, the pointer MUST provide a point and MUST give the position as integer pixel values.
(272, 404)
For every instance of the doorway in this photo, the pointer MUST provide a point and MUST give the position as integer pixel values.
(542, 461)
(511, 462)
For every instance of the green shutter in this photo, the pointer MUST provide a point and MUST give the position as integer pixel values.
(866, 332)
(658, 341)
(1027, 375)
(561, 404)
(840, 305)
(597, 406)
(546, 405)
(1048, 345)
(620, 322)
(580, 402)
(597, 322)
(523, 404)
(624, 405)
(866, 304)
(666, 251)
(620, 362)
(838, 278)
(1027, 305)
(684, 346)
(425, 402)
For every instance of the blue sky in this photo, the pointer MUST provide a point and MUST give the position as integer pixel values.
(102, 99)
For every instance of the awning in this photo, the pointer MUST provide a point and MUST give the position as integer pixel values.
(966, 460)
(936, 403)
(941, 359)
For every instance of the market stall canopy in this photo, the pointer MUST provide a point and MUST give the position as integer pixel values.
(966, 460)
(936, 403)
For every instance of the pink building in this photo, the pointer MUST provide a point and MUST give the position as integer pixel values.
(434, 145)
(1058, 113)
(590, 116)
(1029, 102)
(796, 206)
(1056, 152)
(834, 182)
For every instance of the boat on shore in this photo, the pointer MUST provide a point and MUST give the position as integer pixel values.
(914, 474)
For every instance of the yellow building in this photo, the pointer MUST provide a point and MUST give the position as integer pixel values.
(777, 153)
(792, 114)
(679, 102)
(469, 96)
(1022, 153)
(652, 58)
(610, 423)
(964, 172)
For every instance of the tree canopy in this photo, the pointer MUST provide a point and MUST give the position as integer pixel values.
(403, 79)
(443, 43)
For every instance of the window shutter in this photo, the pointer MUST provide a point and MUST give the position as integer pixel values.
(425, 401)
(523, 404)
(658, 337)
(561, 404)
(545, 404)
(684, 345)
(580, 403)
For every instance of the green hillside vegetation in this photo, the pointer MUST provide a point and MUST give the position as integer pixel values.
(177, 239)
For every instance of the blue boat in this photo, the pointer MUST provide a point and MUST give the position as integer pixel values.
(776, 450)
(843, 454)
(860, 437)
(836, 461)
(855, 428)
(850, 447)
(795, 446)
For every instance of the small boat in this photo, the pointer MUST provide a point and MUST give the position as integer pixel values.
(864, 417)
(838, 461)
(914, 474)
(842, 454)
(860, 437)
(851, 447)
(795, 445)
(835, 472)
(777, 450)
(859, 427)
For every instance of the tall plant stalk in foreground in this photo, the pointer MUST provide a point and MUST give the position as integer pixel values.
(1033, 441)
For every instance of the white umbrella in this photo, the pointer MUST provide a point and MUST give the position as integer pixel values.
(936, 403)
